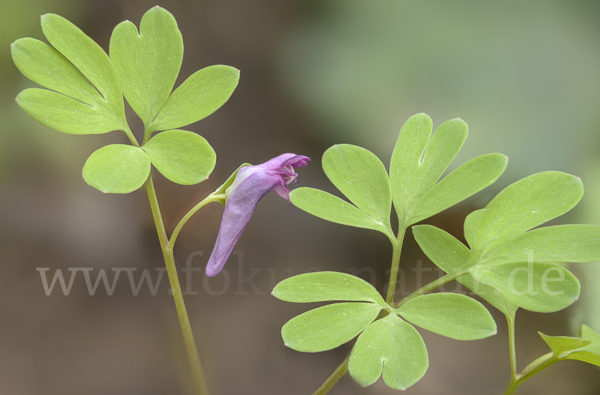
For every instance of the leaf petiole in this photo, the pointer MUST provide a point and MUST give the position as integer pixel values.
(533, 368)
(433, 285)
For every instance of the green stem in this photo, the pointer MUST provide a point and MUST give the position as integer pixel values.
(512, 346)
(433, 285)
(337, 374)
(210, 198)
(184, 321)
(397, 250)
(147, 135)
(514, 375)
(130, 136)
(343, 367)
(535, 367)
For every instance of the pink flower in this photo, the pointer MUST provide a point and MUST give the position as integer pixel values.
(250, 185)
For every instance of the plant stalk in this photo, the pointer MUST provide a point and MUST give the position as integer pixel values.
(210, 198)
(396, 251)
(130, 136)
(433, 285)
(514, 376)
(341, 370)
(184, 321)
(337, 374)
(535, 367)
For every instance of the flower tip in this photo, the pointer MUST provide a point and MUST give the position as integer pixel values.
(212, 271)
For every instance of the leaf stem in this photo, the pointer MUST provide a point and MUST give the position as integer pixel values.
(213, 197)
(337, 374)
(130, 136)
(433, 285)
(184, 321)
(396, 251)
(342, 369)
(533, 368)
(512, 346)
(536, 366)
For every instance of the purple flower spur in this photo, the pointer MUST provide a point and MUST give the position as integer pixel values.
(250, 185)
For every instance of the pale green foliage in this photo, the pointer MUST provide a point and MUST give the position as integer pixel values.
(181, 156)
(326, 286)
(585, 349)
(508, 264)
(448, 314)
(390, 347)
(117, 168)
(85, 96)
(328, 327)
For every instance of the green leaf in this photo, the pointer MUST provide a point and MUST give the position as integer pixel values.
(526, 204)
(327, 286)
(328, 327)
(117, 168)
(449, 254)
(419, 159)
(181, 156)
(64, 114)
(147, 63)
(591, 352)
(471, 223)
(589, 334)
(563, 344)
(586, 349)
(562, 243)
(74, 105)
(45, 66)
(88, 58)
(390, 346)
(468, 179)
(331, 208)
(442, 248)
(535, 286)
(199, 96)
(362, 178)
(448, 314)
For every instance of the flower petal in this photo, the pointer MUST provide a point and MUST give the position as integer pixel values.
(250, 185)
(239, 208)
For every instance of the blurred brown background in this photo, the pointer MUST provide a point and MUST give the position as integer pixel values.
(523, 75)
